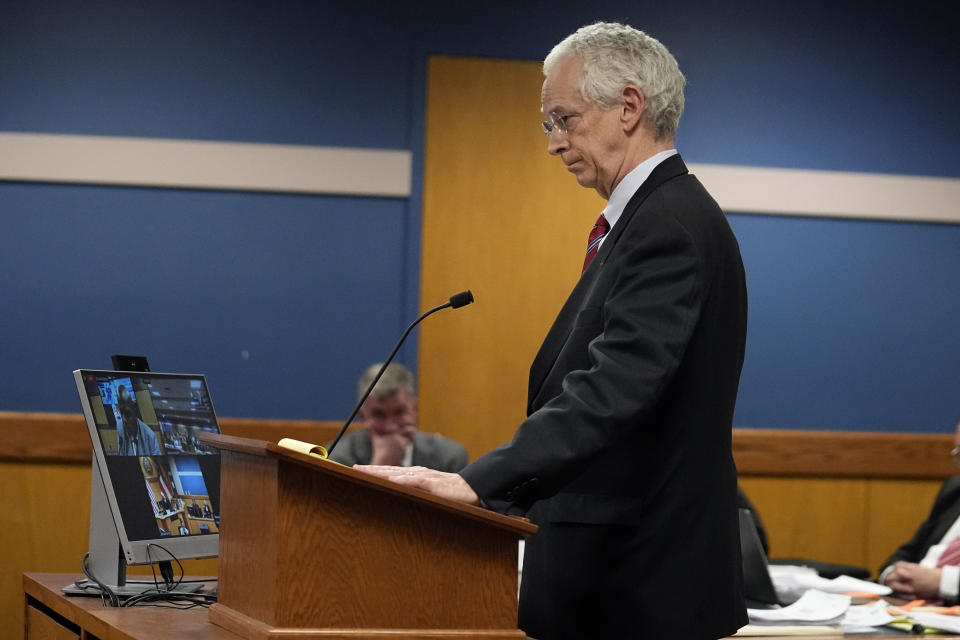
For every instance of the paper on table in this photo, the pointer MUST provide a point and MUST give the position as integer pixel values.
(866, 615)
(814, 607)
(848, 584)
(936, 621)
(790, 582)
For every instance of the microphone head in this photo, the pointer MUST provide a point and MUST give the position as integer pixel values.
(461, 299)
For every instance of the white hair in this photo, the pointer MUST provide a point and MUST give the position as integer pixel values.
(615, 55)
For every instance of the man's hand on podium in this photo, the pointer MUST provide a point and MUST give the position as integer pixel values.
(439, 483)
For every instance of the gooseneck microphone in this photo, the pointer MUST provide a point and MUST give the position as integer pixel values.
(461, 299)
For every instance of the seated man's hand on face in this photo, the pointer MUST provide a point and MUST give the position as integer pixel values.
(910, 580)
(390, 424)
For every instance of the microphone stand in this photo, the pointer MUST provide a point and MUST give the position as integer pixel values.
(459, 300)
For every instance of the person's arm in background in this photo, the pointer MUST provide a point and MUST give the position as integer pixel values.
(902, 572)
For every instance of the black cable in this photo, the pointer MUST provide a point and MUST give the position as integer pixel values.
(169, 600)
(104, 589)
(163, 592)
(168, 582)
(181, 582)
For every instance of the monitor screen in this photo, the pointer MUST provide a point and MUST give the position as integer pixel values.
(160, 482)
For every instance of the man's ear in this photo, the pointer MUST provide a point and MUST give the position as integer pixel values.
(633, 107)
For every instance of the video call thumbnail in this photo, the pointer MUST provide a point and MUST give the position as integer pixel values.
(176, 489)
(149, 415)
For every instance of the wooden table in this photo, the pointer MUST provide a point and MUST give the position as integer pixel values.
(50, 615)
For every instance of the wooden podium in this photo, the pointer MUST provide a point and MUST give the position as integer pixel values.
(315, 550)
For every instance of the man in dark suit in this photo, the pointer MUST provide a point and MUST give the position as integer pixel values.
(926, 566)
(624, 460)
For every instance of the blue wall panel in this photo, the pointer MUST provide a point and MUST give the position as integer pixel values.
(280, 299)
(281, 72)
(852, 324)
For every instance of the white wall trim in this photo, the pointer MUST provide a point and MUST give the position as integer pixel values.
(193, 164)
(839, 194)
(243, 166)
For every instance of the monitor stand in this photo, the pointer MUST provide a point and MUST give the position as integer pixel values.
(106, 560)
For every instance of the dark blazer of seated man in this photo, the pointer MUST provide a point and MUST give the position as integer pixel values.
(390, 435)
(926, 566)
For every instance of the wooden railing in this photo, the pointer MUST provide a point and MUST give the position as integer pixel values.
(63, 438)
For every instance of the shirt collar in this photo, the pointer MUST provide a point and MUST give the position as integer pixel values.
(631, 182)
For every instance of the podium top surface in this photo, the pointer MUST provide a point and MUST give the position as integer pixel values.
(264, 449)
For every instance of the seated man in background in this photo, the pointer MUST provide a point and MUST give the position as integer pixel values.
(927, 565)
(390, 434)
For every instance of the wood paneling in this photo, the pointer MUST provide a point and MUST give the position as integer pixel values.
(849, 521)
(843, 453)
(63, 437)
(894, 510)
(38, 437)
(44, 518)
(504, 219)
(792, 508)
(338, 550)
(40, 626)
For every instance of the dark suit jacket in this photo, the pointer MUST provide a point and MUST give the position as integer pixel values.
(945, 511)
(430, 450)
(624, 460)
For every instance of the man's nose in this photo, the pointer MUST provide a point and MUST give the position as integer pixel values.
(556, 142)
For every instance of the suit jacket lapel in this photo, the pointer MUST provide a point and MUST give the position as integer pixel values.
(949, 516)
(563, 325)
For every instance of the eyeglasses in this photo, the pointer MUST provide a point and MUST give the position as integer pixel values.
(556, 122)
(955, 455)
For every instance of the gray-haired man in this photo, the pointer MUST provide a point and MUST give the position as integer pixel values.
(390, 435)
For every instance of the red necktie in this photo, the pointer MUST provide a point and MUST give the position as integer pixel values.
(950, 555)
(600, 229)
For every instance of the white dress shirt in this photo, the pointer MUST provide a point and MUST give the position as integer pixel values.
(628, 186)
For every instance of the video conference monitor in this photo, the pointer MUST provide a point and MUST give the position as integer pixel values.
(155, 490)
